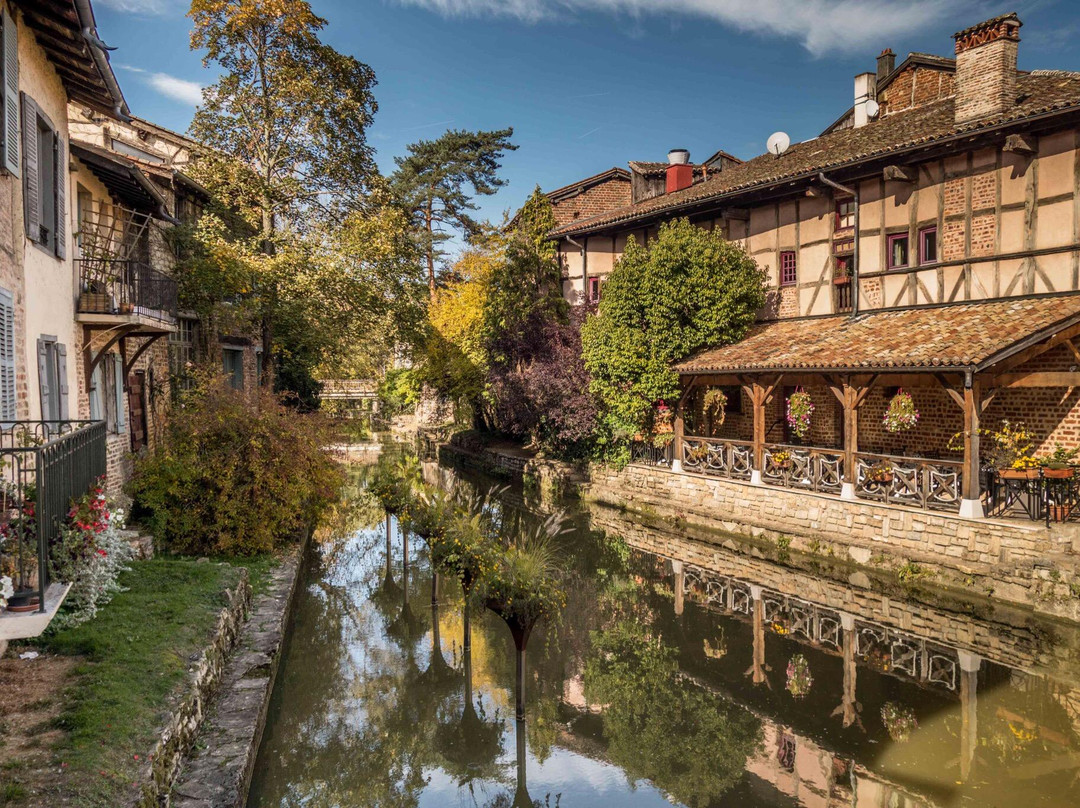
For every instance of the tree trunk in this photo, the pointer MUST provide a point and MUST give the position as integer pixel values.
(521, 684)
(430, 251)
(389, 553)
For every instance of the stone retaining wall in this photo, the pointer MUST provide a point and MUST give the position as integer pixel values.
(181, 728)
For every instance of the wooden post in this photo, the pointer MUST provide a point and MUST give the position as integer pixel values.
(971, 495)
(680, 428)
(969, 722)
(850, 398)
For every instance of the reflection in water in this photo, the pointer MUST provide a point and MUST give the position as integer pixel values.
(663, 683)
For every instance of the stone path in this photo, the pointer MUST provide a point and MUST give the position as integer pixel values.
(217, 771)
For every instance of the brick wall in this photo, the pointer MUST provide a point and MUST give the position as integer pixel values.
(985, 78)
(915, 86)
(597, 199)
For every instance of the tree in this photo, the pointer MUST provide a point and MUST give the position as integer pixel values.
(689, 289)
(285, 125)
(434, 179)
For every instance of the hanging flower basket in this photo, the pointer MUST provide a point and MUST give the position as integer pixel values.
(715, 405)
(901, 414)
(799, 409)
(799, 680)
(898, 720)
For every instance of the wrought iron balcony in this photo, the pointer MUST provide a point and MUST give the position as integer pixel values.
(45, 465)
(118, 287)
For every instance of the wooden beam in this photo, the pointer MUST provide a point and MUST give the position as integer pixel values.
(1021, 144)
(1039, 348)
(1039, 379)
(900, 174)
(1074, 349)
(953, 394)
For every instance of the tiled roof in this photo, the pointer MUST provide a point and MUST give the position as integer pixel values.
(1037, 94)
(964, 335)
(614, 173)
(650, 168)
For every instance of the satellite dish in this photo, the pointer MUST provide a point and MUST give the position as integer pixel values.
(872, 108)
(778, 143)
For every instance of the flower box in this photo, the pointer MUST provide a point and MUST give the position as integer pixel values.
(1019, 474)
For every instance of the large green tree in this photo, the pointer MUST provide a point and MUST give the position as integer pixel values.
(689, 289)
(438, 179)
(285, 124)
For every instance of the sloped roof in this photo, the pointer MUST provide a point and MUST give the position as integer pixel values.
(959, 336)
(1037, 94)
(614, 173)
(123, 179)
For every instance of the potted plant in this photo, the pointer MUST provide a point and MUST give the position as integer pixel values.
(799, 409)
(799, 679)
(899, 721)
(1059, 464)
(715, 405)
(881, 473)
(901, 414)
(1009, 449)
(781, 460)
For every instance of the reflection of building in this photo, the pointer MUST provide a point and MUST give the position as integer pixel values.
(995, 700)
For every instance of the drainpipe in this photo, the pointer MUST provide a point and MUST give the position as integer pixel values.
(101, 59)
(855, 251)
(584, 267)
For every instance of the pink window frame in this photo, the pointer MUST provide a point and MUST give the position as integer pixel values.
(889, 251)
(786, 255)
(923, 233)
(594, 290)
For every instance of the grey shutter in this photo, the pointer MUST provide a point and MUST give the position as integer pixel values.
(12, 134)
(61, 198)
(96, 384)
(62, 379)
(118, 388)
(7, 357)
(43, 379)
(31, 180)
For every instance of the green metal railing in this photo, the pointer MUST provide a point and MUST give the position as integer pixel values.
(45, 466)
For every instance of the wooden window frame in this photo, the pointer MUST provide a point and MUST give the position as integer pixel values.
(840, 217)
(889, 241)
(923, 233)
(785, 280)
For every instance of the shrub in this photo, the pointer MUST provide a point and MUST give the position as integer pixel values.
(235, 473)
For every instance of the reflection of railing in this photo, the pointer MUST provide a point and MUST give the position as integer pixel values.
(114, 286)
(885, 649)
(46, 464)
(803, 467)
(646, 454)
(909, 480)
(727, 458)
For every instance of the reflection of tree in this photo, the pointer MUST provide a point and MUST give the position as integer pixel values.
(659, 726)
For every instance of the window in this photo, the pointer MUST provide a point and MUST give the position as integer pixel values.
(97, 393)
(182, 354)
(44, 177)
(52, 379)
(898, 251)
(84, 213)
(7, 356)
(232, 364)
(788, 274)
(845, 213)
(594, 290)
(928, 245)
(112, 374)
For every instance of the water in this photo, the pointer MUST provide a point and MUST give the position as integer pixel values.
(665, 682)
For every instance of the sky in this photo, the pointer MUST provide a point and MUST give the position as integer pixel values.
(591, 84)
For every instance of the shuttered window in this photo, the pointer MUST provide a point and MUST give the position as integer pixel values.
(10, 132)
(44, 180)
(52, 379)
(118, 391)
(97, 391)
(7, 357)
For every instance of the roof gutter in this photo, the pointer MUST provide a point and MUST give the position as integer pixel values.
(855, 247)
(98, 50)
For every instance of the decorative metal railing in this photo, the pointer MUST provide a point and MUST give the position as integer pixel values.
(1040, 495)
(720, 456)
(646, 454)
(916, 481)
(115, 286)
(810, 468)
(887, 650)
(45, 465)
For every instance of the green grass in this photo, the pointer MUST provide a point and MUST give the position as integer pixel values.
(137, 653)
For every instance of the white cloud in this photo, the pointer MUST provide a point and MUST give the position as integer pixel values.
(820, 25)
(155, 7)
(187, 92)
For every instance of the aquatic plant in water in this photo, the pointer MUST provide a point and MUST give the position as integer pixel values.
(799, 679)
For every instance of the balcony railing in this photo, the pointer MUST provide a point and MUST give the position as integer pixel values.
(115, 286)
(805, 467)
(46, 464)
(646, 454)
(918, 481)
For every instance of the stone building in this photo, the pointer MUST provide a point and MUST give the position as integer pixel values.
(927, 241)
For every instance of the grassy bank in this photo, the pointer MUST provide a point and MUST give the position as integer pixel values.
(130, 664)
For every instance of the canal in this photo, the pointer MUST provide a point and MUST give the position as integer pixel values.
(692, 670)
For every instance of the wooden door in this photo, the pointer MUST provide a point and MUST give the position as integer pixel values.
(137, 409)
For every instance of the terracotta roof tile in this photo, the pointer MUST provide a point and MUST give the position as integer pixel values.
(1037, 93)
(960, 335)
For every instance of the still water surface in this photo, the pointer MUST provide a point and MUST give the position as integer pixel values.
(682, 672)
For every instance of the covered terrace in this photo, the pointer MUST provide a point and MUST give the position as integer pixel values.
(967, 367)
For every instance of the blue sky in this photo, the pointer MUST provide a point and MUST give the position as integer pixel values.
(588, 84)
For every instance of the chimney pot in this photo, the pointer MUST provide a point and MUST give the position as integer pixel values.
(678, 157)
(680, 174)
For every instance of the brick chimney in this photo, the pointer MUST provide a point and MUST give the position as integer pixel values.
(986, 68)
(680, 174)
(886, 63)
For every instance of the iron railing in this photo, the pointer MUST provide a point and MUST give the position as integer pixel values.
(646, 454)
(45, 466)
(116, 286)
